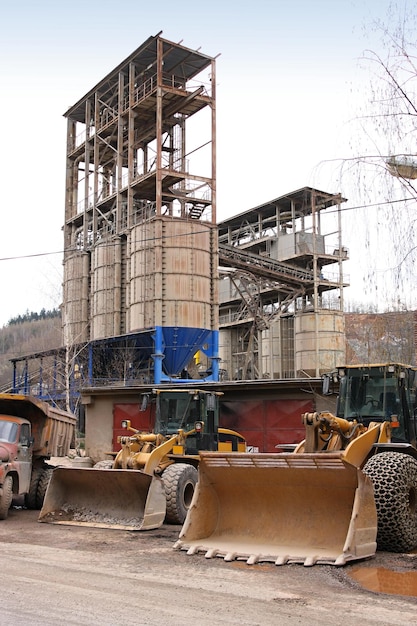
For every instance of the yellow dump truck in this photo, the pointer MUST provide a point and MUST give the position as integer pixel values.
(153, 477)
(349, 487)
(31, 432)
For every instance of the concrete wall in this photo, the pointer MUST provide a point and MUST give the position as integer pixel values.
(98, 426)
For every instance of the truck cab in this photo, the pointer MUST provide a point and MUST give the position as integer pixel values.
(195, 411)
(189, 410)
(378, 393)
(16, 446)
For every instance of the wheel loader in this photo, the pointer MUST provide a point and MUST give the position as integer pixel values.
(348, 488)
(153, 476)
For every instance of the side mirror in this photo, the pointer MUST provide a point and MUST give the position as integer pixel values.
(326, 385)
(125, 424)
(145, 402)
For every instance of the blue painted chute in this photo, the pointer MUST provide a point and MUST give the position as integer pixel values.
(178, 345)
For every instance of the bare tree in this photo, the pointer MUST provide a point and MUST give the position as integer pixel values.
(382, 172)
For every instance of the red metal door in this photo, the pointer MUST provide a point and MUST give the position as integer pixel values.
(266, 423)
(141, 420)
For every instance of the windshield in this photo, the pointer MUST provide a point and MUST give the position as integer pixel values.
(8, 431)
(177, 410)
(371, 395)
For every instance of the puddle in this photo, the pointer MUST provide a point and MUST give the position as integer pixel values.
(385, 580)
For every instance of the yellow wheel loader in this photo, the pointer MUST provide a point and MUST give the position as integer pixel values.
(349, 487)
(153, 476)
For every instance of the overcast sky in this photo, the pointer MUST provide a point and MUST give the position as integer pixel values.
(288, 82)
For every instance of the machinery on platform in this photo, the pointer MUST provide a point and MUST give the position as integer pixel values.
(153, 477)
(349, 487)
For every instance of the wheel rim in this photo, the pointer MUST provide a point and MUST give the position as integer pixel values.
(188, 494)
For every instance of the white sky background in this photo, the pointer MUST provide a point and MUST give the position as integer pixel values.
(288, 83)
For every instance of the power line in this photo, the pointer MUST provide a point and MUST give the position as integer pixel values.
(29, 256)
(151, 239)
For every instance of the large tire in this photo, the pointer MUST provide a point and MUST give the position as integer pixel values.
(179, 480)
(6, 498)
(43, 486)
(38, 485)
(31, 496)
(394, 477)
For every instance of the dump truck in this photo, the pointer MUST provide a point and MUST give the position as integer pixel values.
(31, 432)
(153, 476)
(348, 488)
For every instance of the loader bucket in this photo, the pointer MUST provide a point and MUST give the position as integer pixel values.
(104, 498)
(283, 508)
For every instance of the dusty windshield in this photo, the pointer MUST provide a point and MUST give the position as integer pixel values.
(369, 395)
(177, 410)
(8, 431)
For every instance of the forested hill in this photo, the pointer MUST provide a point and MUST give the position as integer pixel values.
(26, 334)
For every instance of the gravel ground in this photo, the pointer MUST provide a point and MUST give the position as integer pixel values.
(87, 576)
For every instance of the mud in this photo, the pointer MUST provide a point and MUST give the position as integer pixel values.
(401, 580)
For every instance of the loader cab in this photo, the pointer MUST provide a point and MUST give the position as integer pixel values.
(373, 393)
(189, 410)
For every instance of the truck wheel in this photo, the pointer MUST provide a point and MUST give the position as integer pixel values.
(38, 485)
(31, 497)
(179, 481)
(6, 498)
(44, 479)
(394, 477)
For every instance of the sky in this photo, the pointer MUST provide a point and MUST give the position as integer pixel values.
(289, 83)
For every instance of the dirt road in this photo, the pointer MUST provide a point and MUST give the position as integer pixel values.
(55, 575)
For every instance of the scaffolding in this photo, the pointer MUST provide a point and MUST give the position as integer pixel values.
(289, 253)
(140, 210)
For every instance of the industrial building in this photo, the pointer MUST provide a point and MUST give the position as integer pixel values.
(156, 290)
(141, 251)
(281, 296)
(143, 247)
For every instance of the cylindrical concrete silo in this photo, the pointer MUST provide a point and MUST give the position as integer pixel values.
(76, 297)
(319, 342)
(173, 288)
(106, 289)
